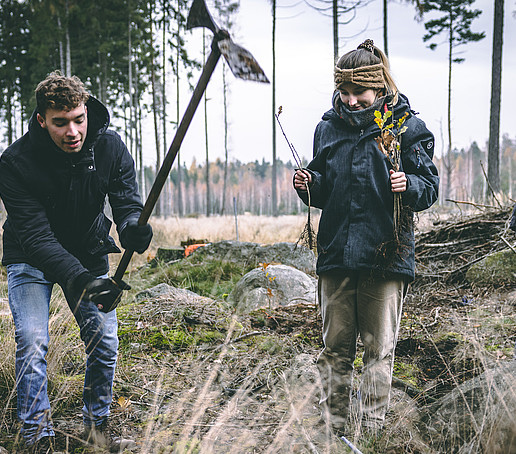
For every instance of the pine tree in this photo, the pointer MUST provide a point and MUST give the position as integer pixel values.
(455, 21)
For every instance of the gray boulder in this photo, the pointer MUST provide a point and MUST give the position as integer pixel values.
(252, 254)
(276, 285)
(478, 416)
(161, 290)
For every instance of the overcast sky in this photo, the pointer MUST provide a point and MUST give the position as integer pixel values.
(304, 69)
(304, 55)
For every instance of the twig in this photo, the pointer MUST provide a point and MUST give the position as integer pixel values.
(308, 230)
(238, 339)
(489, 185)
(477, 205)
(295, 154)
(410, 390)
(508, 244)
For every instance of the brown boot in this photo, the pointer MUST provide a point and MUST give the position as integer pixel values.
(100, 436)
(45, 445)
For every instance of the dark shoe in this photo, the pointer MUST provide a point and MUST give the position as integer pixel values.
(101, 437)
(44, 445)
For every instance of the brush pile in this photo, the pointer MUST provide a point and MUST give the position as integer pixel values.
(444, 254)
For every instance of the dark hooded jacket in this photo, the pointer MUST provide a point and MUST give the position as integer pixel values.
(55, 200)
(350, 183)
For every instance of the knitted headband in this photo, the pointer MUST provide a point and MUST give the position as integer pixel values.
(366, 76)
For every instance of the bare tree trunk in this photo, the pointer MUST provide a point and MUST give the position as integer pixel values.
(155, 109)
(132, 119)
(449, 152)
(208, 195)
(385, 27)
(68, 69)
(10, 117)
(61, 49)
(140, 153)
(274, 163)
(180, 209)
(226, 153)
(166, 188)
(335, 16)
(509, 157)
(493, 157)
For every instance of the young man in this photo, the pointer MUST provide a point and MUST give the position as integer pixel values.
(53, 182)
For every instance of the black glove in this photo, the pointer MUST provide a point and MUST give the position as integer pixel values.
(136, 237)
(105, 293)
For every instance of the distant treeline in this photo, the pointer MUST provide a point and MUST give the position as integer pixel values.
(463, 175)
(247, 190)
(248, 186)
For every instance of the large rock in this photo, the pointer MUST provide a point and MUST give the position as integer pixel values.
(276, 285)
(162, 289)
(252, 254)
(478, 416)
(498, 269)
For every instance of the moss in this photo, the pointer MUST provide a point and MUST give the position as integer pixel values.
(270, 345)
(498, 269)
(407, 372)
(166, 337)
(211, 278)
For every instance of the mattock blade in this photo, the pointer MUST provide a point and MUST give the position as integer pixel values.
(241, 62)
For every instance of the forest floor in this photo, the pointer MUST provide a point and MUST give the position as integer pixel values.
(193, 376)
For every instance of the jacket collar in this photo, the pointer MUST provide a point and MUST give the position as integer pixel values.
(399, 109)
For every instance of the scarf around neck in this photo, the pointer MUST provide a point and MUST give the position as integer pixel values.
(357, 119)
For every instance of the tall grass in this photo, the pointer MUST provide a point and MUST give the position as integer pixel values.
(230, 387)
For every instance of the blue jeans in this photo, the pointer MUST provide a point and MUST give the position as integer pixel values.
(29, 298)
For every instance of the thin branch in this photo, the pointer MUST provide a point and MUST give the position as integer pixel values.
(489, 185)
(477, 205)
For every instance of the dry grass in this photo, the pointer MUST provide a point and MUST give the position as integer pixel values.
(256, 229)
(231, 393)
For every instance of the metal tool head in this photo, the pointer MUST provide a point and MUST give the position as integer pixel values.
(242, 64)
(199, 16)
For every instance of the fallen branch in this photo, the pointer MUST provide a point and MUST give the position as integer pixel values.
(508, 244)
(477, 205)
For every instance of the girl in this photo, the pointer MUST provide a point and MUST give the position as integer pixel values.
(354, 183)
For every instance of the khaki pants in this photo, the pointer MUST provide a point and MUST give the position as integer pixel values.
(353, 304)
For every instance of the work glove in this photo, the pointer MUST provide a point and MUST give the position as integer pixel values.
(136, 237)
(105, 293)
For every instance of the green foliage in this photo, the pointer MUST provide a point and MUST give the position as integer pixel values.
(409, 373)
(455, 21)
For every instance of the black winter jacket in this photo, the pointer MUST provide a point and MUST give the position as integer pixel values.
(55, 200)
(350, 183)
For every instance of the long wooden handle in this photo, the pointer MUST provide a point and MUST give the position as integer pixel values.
(162, 176)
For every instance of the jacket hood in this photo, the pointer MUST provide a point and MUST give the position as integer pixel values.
(98, 122)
